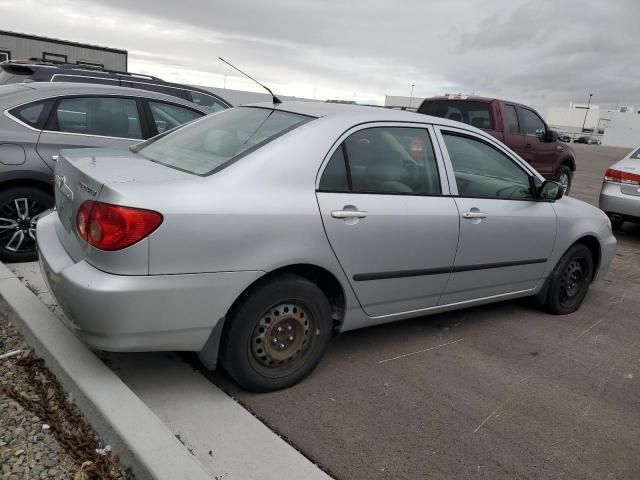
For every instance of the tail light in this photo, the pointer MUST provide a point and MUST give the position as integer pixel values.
(112, 227)
(416, 148)
(618, 176)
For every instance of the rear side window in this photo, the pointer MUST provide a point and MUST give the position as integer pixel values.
(205, 146)
(84, 79)
(104, 116)
(394, 160)
(167, 116)
(511, 119)
(207, 101)
(34, 114)
(477, 114)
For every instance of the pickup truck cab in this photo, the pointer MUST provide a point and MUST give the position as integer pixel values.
(517, 126)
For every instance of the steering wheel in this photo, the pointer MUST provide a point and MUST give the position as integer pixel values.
(515, 188)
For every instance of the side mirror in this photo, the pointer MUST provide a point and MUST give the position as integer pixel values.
(550, 191)
(552, 136)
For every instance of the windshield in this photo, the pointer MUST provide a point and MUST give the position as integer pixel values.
(208, 144)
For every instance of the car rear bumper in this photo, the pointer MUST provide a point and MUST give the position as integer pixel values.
(613, 201)
(133, 312)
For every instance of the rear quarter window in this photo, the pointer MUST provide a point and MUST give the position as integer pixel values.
(34, 114)
(477, 114)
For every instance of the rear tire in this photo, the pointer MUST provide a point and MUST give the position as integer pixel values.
(277, 334)
(19, 211)
(569, 282)
(564, 176)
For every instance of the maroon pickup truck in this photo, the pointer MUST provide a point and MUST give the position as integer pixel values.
(517, 126)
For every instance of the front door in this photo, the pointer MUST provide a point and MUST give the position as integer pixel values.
(538, 152)
(392, 230)
(79, 122)
(506, 236)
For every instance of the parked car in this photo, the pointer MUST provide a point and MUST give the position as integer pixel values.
(620, 194)
(517, 126)
(14, 71)
(588, 140)
(253, 234)
(564, 137)
(41, 118)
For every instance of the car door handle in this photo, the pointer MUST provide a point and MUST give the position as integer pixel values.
(348, 214)
(474, 215)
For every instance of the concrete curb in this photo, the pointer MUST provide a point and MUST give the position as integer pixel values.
(121, 419)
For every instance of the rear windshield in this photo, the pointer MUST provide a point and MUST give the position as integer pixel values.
(208, 144)
(14, 74)
(477, 114)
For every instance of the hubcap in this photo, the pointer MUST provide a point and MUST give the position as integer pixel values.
(572, 281)
(281, 335)
(18, 219)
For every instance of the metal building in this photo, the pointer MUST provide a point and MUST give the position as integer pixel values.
(20, 46)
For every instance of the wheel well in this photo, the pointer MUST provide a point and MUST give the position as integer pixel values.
(46, 187)
(570, 162)
(593, 245)
(324, 279)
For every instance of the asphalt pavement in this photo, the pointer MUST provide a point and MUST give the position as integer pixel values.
(500, 391)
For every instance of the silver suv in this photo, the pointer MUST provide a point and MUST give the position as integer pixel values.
(41, 118)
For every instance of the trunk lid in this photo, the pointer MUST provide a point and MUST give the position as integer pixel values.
(631, 164)
(89, 174)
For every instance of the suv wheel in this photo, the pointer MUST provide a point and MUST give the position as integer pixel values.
(20, 208)
(564, 176)
(277, 335)
(569, 281)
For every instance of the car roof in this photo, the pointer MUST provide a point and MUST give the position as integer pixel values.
(473, 98)
(44, 89)
(358, 113)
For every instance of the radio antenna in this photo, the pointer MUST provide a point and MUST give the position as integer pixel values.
(275, 99)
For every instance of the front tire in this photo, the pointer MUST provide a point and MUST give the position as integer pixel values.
(277, 334)
(564, 176)
(569, 281)
(20, 208)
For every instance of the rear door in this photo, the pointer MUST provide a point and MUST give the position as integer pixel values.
(514, 138)
(537, 151)
(164, 116)
(90, 121)
(506, 236)
(388, 218)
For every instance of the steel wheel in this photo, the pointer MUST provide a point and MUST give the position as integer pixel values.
(281, 337)
(573, 280)
(277, 333)
(18, 219)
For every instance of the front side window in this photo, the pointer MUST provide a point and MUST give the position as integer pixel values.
(530, 123)
(484, 171)
(207, 101)
(167, 116)
(384, 160)
(204, 146)
(104, 116)
(33, 114)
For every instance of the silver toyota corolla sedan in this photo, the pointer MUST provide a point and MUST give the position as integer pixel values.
(252, 235)
(620, 194)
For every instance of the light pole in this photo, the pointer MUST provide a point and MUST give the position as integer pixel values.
(411, 96)
(586, 113)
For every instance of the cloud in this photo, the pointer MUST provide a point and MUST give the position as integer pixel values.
(539, 53)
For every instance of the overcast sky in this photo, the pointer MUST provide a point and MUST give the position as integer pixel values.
(538, 52)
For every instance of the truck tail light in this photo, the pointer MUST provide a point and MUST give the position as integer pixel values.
(112, 227)
(618, 176)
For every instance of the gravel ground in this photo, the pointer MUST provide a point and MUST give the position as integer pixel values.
(29, 448)
(26, 451)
